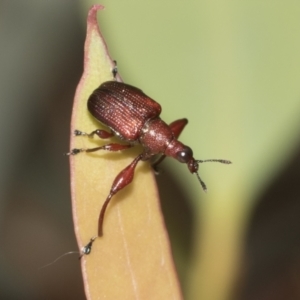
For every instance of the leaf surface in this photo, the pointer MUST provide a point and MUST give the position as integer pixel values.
(133, 259)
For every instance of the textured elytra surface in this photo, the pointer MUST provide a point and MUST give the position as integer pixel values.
(123, 108)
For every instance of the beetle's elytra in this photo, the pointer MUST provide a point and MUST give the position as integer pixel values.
(123, 108)
(134, 118)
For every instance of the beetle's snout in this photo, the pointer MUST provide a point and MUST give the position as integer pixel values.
(193, 165)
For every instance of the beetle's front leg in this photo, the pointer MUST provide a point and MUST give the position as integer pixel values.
(108, 147)
(102, 134)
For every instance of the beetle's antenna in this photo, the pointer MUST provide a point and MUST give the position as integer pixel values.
(201, 182)
(222, 161)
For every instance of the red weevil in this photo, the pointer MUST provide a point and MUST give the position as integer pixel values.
(134, 118)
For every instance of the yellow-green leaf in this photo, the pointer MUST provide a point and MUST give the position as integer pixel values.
(133, 259)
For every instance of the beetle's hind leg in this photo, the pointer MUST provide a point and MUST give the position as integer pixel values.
(124, 178)
(121, 181)
(108, 147)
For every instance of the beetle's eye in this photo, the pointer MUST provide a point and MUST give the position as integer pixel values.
(184, 155)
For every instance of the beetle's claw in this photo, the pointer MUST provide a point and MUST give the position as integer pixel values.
(74, 151)
(78, 133)
(86, 250)
(115, 69)
(157, 171)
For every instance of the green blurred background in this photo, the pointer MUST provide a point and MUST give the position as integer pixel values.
(231, 67)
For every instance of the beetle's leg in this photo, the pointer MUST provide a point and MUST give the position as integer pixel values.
(108, 147)
(115, 69)
(102, 134)
(156, 163)
(122, 180)
(176, 127)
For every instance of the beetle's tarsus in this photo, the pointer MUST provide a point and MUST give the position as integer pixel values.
(157, 170)
(86, 250)
(75, 151)
(115, 69)
(78, 132)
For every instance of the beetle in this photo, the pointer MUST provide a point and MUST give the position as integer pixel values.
(134, 118)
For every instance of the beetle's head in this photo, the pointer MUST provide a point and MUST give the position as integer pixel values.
(184, 154)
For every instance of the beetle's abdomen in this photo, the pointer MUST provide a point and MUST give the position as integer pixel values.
(123, 108)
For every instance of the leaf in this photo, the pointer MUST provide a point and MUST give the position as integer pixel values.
(133, 259)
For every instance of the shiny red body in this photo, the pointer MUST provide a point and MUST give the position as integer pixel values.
(134, 118)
